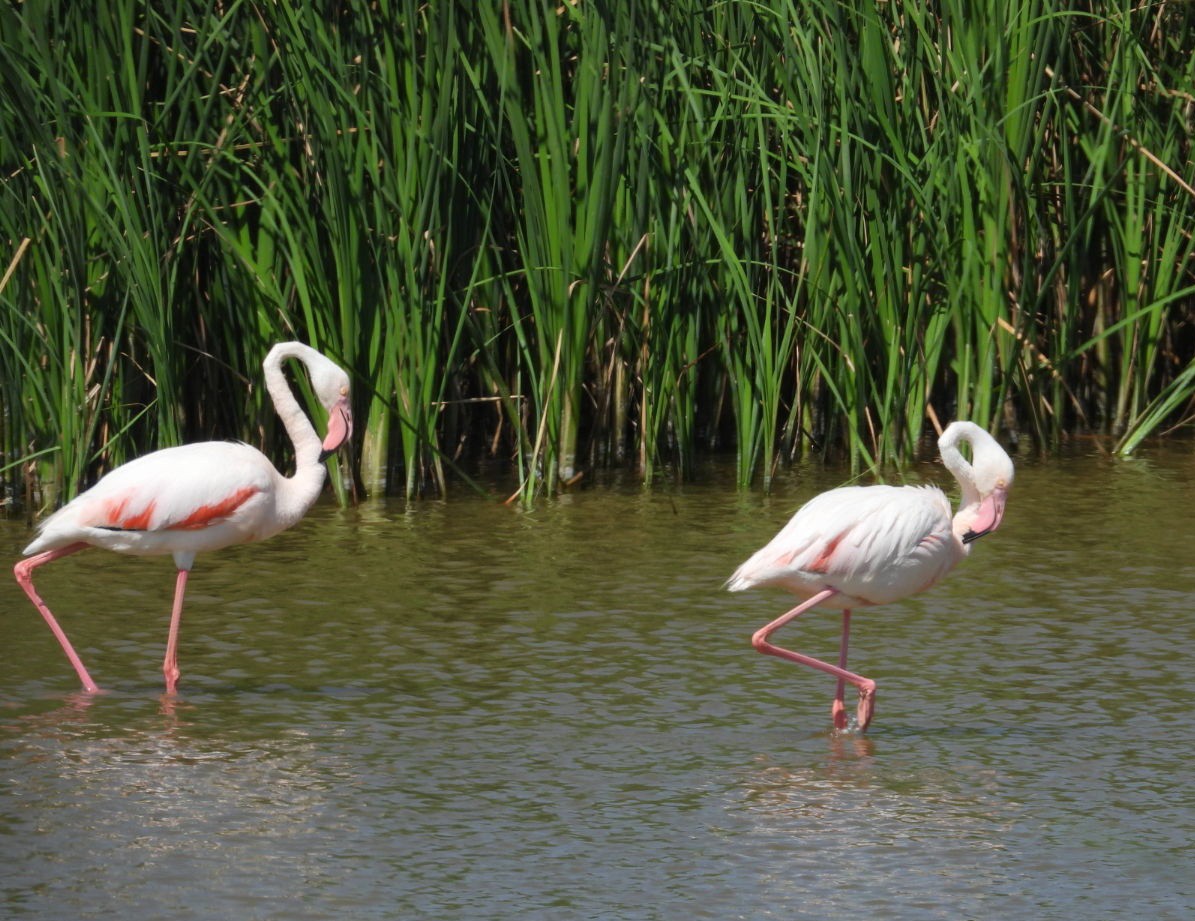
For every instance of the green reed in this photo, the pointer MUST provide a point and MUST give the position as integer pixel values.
(589, 235)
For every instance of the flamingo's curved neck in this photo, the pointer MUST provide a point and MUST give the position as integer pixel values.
(963, 472)
(305, 485)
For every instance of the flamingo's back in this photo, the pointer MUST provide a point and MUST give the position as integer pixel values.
(872, 544)
(190, 498)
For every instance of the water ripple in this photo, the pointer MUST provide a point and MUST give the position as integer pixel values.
(558, 715)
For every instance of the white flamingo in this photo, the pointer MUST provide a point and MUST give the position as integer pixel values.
(865, 545)
(198, 497)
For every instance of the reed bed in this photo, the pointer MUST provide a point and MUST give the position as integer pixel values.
(568, 237)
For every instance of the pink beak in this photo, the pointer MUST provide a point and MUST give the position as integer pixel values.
(340, 427)
(989, 515)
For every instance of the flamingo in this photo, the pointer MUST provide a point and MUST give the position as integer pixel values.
(865, 545)
(198, 497)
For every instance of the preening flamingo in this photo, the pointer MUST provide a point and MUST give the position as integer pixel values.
(865, 545)
(198, 497)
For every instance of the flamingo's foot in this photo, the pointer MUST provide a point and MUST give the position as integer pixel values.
(171, 675)
(863, 712)
(867, 702)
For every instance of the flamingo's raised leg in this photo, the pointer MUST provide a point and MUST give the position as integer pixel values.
(867, 687)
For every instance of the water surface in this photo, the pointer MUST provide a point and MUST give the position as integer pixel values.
(463, 711)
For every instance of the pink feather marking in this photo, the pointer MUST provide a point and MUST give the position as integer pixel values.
(786, 559)
(112, 515)
(207, 515)
(108, 514)
(139, 522)
(822, 563)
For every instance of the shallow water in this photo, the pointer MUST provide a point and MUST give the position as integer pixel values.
(463, 711)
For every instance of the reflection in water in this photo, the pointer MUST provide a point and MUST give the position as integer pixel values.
(557, 714)
(153, 806)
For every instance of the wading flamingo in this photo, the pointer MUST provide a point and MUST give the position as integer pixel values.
(865, 545)
(198, 497)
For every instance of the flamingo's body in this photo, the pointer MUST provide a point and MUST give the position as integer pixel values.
(866, 545)
(198, 497)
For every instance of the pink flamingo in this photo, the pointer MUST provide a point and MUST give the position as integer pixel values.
(864, 545)
(198, 497)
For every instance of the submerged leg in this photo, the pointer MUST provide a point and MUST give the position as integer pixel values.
(866, 686)
(24, 573)
(170, 663)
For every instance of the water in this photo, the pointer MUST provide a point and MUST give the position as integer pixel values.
(464, 711)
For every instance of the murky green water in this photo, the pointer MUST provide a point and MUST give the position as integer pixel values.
(462, 711)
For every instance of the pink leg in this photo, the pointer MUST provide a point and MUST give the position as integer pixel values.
(170, 664)
(24, 573)
(866, 686)
(838, 708)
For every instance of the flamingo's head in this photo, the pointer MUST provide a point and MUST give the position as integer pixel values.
(993, 485)
(331, 386)
(985, 481)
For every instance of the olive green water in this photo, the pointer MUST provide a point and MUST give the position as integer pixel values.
(463, 711)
